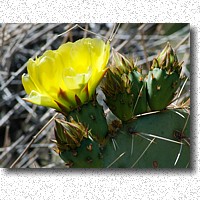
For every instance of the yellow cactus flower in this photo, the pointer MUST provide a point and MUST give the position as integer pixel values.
(66, 77)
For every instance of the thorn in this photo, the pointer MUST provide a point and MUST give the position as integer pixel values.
(158, 87)
(74, 153)
(56, 150)
(141, 78)
(152, 76)
(140, 94)
(89, 160)
(92, 117)
(174, 84)
(89, 147)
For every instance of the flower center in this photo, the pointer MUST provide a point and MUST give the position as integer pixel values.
(74, 80)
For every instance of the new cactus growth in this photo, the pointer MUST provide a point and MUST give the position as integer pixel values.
(69, 134)
(124, 88)
(75, 145)
(163, 79)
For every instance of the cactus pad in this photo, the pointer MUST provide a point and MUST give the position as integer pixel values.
(159, 140)
(92, 116)
(124, 88)
(161, 88)
(86, 156)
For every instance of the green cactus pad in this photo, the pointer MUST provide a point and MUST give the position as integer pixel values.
(86, 156)
(127, 97)
(124, 88)
(121, 106)
(159, 140)
(92, 116)
(161, 88)
(138, 89)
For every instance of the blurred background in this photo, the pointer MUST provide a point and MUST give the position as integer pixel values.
(21, 121)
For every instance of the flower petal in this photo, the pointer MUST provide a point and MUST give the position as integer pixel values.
(100, 54)
(50, 71)
(28, 83)
(95, 80)
(59, 78)
(33, 73)
(80, 56)
(40, 99)
(64, 51)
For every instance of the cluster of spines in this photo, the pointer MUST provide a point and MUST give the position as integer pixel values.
(69, 134)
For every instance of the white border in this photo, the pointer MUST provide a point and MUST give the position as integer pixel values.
(109, 184)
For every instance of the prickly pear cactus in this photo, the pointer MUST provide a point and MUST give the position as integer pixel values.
(137, 137)
(158, 139)
(163, 79)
